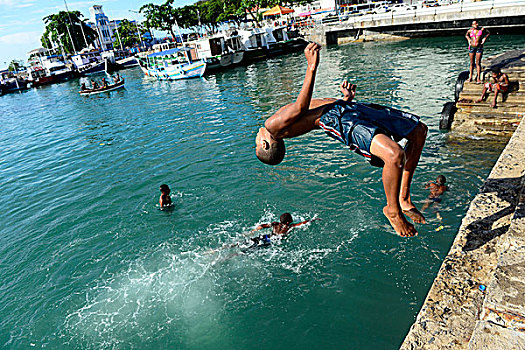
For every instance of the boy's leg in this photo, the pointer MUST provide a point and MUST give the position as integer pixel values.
(483, 93)
(478, 67)
(426, 205)
(416, 141)
(393, 156)
(472, 57)
(496, 92)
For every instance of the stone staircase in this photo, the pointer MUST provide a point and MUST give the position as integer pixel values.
(481, 118)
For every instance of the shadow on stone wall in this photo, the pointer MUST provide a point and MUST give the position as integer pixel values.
(481, 231)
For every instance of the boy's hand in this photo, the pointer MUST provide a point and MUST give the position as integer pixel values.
(348, 90)
(311, 53)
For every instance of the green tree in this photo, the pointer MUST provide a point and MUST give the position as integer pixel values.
(247, 6)
(128, 34)
(56, 31)
(161, 17)
(15, 65)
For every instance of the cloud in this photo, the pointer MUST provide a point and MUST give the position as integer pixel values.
(25, 38)
(17, 3)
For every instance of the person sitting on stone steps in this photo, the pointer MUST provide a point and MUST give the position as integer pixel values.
(501, 84)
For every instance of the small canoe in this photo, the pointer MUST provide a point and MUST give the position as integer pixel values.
(111, 87)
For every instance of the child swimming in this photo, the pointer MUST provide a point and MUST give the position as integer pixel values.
(165, 199)
(437, 188)
(281, 228)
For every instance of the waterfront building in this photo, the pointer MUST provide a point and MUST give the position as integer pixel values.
(100, 23)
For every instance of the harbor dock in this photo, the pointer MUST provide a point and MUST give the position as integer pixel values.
(481, 118)
(477, 300)
(501, 16)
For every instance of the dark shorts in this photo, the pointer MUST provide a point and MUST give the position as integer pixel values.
(472, 49)
(356, 124)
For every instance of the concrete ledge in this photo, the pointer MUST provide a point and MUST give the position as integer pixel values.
(455, 309)
(491, 337)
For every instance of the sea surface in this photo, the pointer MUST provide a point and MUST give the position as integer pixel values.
(88, 261)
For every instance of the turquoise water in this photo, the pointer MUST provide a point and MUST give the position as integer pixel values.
(87, 260)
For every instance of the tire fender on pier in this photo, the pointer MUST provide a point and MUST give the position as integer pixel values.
(462, 77)
(447, 115)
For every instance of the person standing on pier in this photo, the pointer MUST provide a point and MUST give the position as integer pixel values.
(476, 37)
(368, 129)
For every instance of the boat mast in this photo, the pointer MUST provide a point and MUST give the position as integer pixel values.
(182, 41)
(67, 27)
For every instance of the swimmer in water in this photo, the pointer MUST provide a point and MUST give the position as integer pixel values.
(368, 129)
(165, 199)
(280, 228)
(437, 188)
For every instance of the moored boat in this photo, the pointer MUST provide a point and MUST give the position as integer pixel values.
(215, 52)
(13, 85)
(47, 69)
(173, 64)
(89, 62)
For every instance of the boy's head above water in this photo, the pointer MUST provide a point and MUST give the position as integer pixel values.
(165, 189)
(286, 219)
(441, 180)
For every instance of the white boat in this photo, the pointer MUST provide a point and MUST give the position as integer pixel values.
(218, 52)
(88, 62)
(173, 64)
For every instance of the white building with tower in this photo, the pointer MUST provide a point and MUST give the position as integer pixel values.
(100, 23)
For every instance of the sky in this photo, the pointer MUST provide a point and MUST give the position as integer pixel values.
(21, 24)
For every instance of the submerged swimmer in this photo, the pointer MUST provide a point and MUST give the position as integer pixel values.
(368, 129)
(280, 228)
(165, 199)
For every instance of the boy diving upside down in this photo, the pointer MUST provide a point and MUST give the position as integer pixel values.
(368, 129)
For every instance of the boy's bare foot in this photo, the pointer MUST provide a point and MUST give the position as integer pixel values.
(478, 101)
(410, 210)
(400, 224)
(348, 90)
(493, 105)
(415, 215)
(469, 80)
(479, 82)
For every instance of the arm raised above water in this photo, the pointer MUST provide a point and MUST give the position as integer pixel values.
(288, 114)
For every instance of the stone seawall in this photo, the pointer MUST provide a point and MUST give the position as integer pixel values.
(477, 300)
(500, 18)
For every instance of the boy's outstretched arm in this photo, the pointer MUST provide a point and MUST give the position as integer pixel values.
(260, 227)
(304, 222)
(287, 115)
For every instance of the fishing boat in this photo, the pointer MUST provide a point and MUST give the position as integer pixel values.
(255, 43)
(173, 64)
(88, 62)
(110, 87)
(218, 52)
(13, 84)
(46, 68)
(282, 41)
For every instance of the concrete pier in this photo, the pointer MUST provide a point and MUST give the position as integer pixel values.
(477, 300)
(499, 16)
